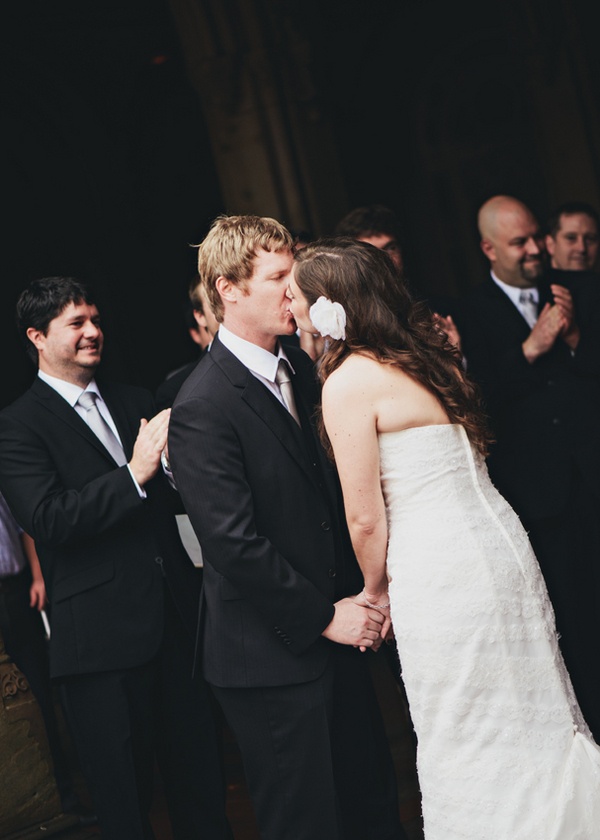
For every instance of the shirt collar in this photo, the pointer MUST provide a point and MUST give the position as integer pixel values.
(68, 390)
(514, 292)
(255, 358)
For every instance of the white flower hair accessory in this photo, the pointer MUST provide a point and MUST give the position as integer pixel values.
(328, 318)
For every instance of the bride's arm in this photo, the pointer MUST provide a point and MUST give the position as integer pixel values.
(350, 418)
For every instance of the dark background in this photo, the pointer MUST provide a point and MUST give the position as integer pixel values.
(109, 174)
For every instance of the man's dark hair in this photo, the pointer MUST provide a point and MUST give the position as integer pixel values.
(570, 208)
(194, 300)
(42, 301)
(370, 220)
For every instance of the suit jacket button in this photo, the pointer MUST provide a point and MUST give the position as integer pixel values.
(325, 526)
(331, 573)
(556, 421)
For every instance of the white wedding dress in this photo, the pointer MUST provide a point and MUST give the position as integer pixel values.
(503, 752)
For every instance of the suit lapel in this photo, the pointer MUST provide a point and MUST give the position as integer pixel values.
(546, 295)
(265, 405)
(511, 313)
(306, 406)
(513, 318)
(52, 401)
(126, 425)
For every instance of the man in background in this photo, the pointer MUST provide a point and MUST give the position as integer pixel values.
(380, 226)
(22, 599)
(202, 327)
(536, 357)
(80, 470)
(572, 238)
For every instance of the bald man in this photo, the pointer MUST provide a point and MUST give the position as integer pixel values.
(535, 353)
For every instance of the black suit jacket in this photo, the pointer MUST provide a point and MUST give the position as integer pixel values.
(266, 507)
(578, 282)
(169, 388)
(544, 415)
(103, 549)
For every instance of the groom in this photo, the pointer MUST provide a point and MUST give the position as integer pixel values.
(280, 633)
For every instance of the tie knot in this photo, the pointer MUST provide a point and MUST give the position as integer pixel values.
(283, 372)
(526, 296)
(88, 399)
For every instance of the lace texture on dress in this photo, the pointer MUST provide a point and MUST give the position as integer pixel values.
(503, 750)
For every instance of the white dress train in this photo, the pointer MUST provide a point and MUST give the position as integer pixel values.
(503, 752)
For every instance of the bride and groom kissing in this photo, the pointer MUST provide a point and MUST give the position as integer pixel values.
(407, 517)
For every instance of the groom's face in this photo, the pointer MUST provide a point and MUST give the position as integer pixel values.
(259, 310)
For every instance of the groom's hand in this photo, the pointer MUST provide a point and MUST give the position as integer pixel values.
(356, 625)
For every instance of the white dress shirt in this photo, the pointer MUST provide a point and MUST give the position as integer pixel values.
(71, 393)
(260, 362)
(513, 292)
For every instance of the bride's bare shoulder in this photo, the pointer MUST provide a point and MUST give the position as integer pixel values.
(357, 373)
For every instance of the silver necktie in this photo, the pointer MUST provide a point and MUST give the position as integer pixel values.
(529, 308)
(285, 386)
(100, 427)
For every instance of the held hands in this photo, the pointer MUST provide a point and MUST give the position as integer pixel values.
(379, 599)
(362, 621)
(356, 625)
(149, 444)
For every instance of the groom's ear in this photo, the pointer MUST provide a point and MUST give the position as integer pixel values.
(226, 289)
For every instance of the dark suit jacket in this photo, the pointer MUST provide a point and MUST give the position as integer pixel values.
(544, 415)
(577, 282)
(169, 388)
(103, 549)
(266, 507)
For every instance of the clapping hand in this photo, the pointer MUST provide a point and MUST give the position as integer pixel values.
(550, 324)
(447, 325)
(149, 444)
(570, 331)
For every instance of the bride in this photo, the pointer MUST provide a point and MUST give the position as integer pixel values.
(503, 750)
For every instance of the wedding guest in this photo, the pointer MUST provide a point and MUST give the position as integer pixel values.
(80, 469)
(22, 599)
(380, 226)
(535, 351)
(202, 328)
(572, 238)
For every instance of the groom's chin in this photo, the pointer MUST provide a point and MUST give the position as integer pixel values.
(291, 328)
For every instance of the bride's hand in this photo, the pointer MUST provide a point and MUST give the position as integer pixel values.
(378, 599)
(389, 636)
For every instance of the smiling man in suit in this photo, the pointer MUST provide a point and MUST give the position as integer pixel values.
(80, 469)
(535, 354)
(282, 631)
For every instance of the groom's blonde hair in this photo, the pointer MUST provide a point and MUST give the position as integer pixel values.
(229, 249)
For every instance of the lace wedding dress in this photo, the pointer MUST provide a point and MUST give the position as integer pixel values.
(503, 750)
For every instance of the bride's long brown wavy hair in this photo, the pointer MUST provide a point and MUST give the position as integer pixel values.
(383, 321)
